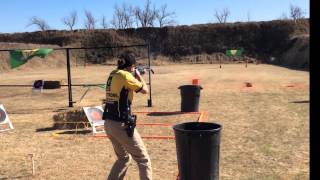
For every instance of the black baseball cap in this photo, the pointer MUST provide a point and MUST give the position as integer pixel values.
(126, 60)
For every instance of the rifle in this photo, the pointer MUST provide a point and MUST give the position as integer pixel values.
(142, 69)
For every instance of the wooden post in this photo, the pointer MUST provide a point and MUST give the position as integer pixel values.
(32, 161)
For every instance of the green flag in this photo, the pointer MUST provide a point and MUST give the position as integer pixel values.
(103, 86)
(19, 57)
(234, 52)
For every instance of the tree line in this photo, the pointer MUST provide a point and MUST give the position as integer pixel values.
(126, 16)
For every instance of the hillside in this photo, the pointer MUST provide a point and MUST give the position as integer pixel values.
(281, 42)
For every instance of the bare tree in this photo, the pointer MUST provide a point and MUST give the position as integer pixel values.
(40, 23)
(248, 16)
(296, 12)
(146, 16)
(122, 17)
(90, 21)
(164, 17)
(71, 20)
(104, 22)
(283, 16)
(222, 16)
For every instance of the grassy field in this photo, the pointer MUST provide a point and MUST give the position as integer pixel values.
(265, 131)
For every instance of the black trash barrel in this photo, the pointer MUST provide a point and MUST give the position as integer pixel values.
(198, 146)
(190, 97)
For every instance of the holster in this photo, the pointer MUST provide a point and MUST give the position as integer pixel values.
(130, 123)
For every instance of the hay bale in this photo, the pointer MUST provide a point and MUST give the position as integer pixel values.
(71, 119)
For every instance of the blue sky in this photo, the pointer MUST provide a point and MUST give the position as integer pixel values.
(16, 14)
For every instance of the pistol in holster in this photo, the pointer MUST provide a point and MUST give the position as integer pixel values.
(130, 123)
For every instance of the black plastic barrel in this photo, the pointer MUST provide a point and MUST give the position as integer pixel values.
(198, 146)
(190, 97)
(51, 85)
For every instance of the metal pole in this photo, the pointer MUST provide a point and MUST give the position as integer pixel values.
(32, 163)
(106, 47)
(30, 85)
(150, 98)
(246, 62)
(69, 79)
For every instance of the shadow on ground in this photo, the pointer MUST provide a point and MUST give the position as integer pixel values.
(73, 131)
(298, 102)
(164, 113)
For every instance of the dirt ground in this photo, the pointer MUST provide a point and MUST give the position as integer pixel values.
(265, 131)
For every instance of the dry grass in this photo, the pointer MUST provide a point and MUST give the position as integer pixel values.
(265, 131)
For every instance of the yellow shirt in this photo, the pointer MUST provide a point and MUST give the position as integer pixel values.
(119, 93)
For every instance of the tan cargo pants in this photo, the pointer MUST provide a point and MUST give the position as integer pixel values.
(125, 146)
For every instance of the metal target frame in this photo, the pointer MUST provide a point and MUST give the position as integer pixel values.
(70, 99)
(4, 119)
(95, 123)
